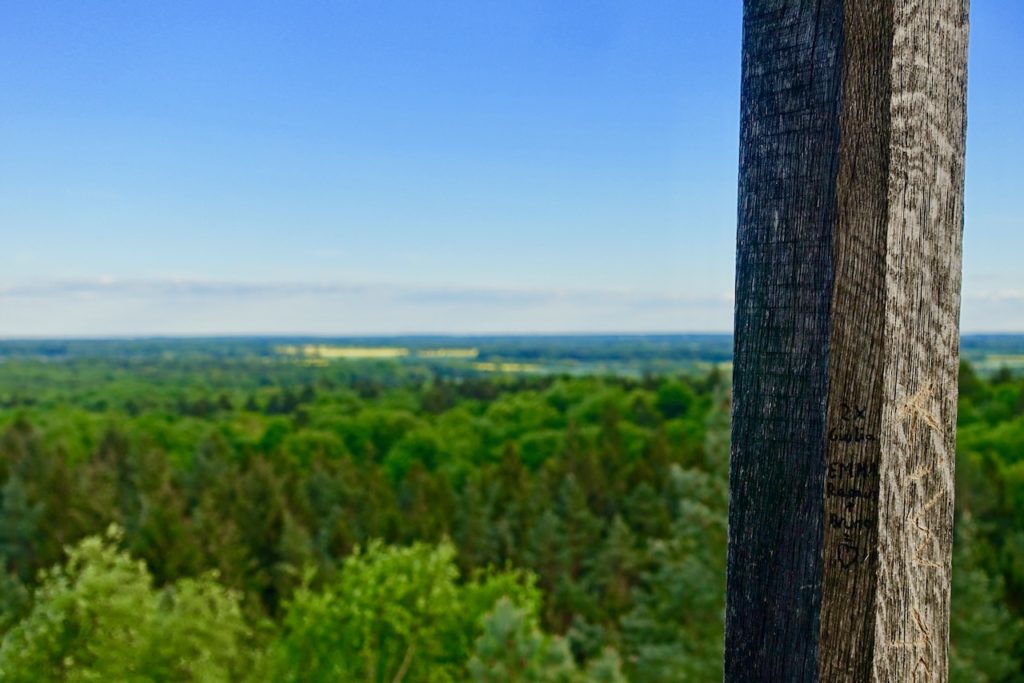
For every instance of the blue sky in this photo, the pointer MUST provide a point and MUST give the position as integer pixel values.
(358, 166)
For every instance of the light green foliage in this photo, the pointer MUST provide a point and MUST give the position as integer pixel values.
(605, 668)
(512, 649)
(98, 618)
(478, 597)
(393, 614)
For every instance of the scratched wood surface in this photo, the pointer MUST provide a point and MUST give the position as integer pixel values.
(923, 254)
(847, 309)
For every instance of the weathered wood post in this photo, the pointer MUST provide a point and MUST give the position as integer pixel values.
(847, 340)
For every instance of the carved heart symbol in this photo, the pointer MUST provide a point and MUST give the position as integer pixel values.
(847, 555)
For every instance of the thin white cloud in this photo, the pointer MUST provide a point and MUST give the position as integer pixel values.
(999, 296)
(440, 293)
(109, 306)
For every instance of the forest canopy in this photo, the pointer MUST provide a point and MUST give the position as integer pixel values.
(213, 513)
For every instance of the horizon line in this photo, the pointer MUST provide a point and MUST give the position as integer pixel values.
(253, 336)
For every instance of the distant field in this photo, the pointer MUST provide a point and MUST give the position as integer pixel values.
(990, 353)
(624, 355)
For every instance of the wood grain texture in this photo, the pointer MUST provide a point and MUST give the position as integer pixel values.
(857, 347)
(789, 136)
(922, 285)
(847, 309)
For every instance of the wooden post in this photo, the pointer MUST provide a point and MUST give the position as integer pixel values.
(847, 340)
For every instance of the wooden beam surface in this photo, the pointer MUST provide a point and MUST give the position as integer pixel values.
(847, 345)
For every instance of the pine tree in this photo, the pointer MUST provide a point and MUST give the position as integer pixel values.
(675, 630)
(512, 649)
(985, 638)
(614, 569)
(20, 527)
